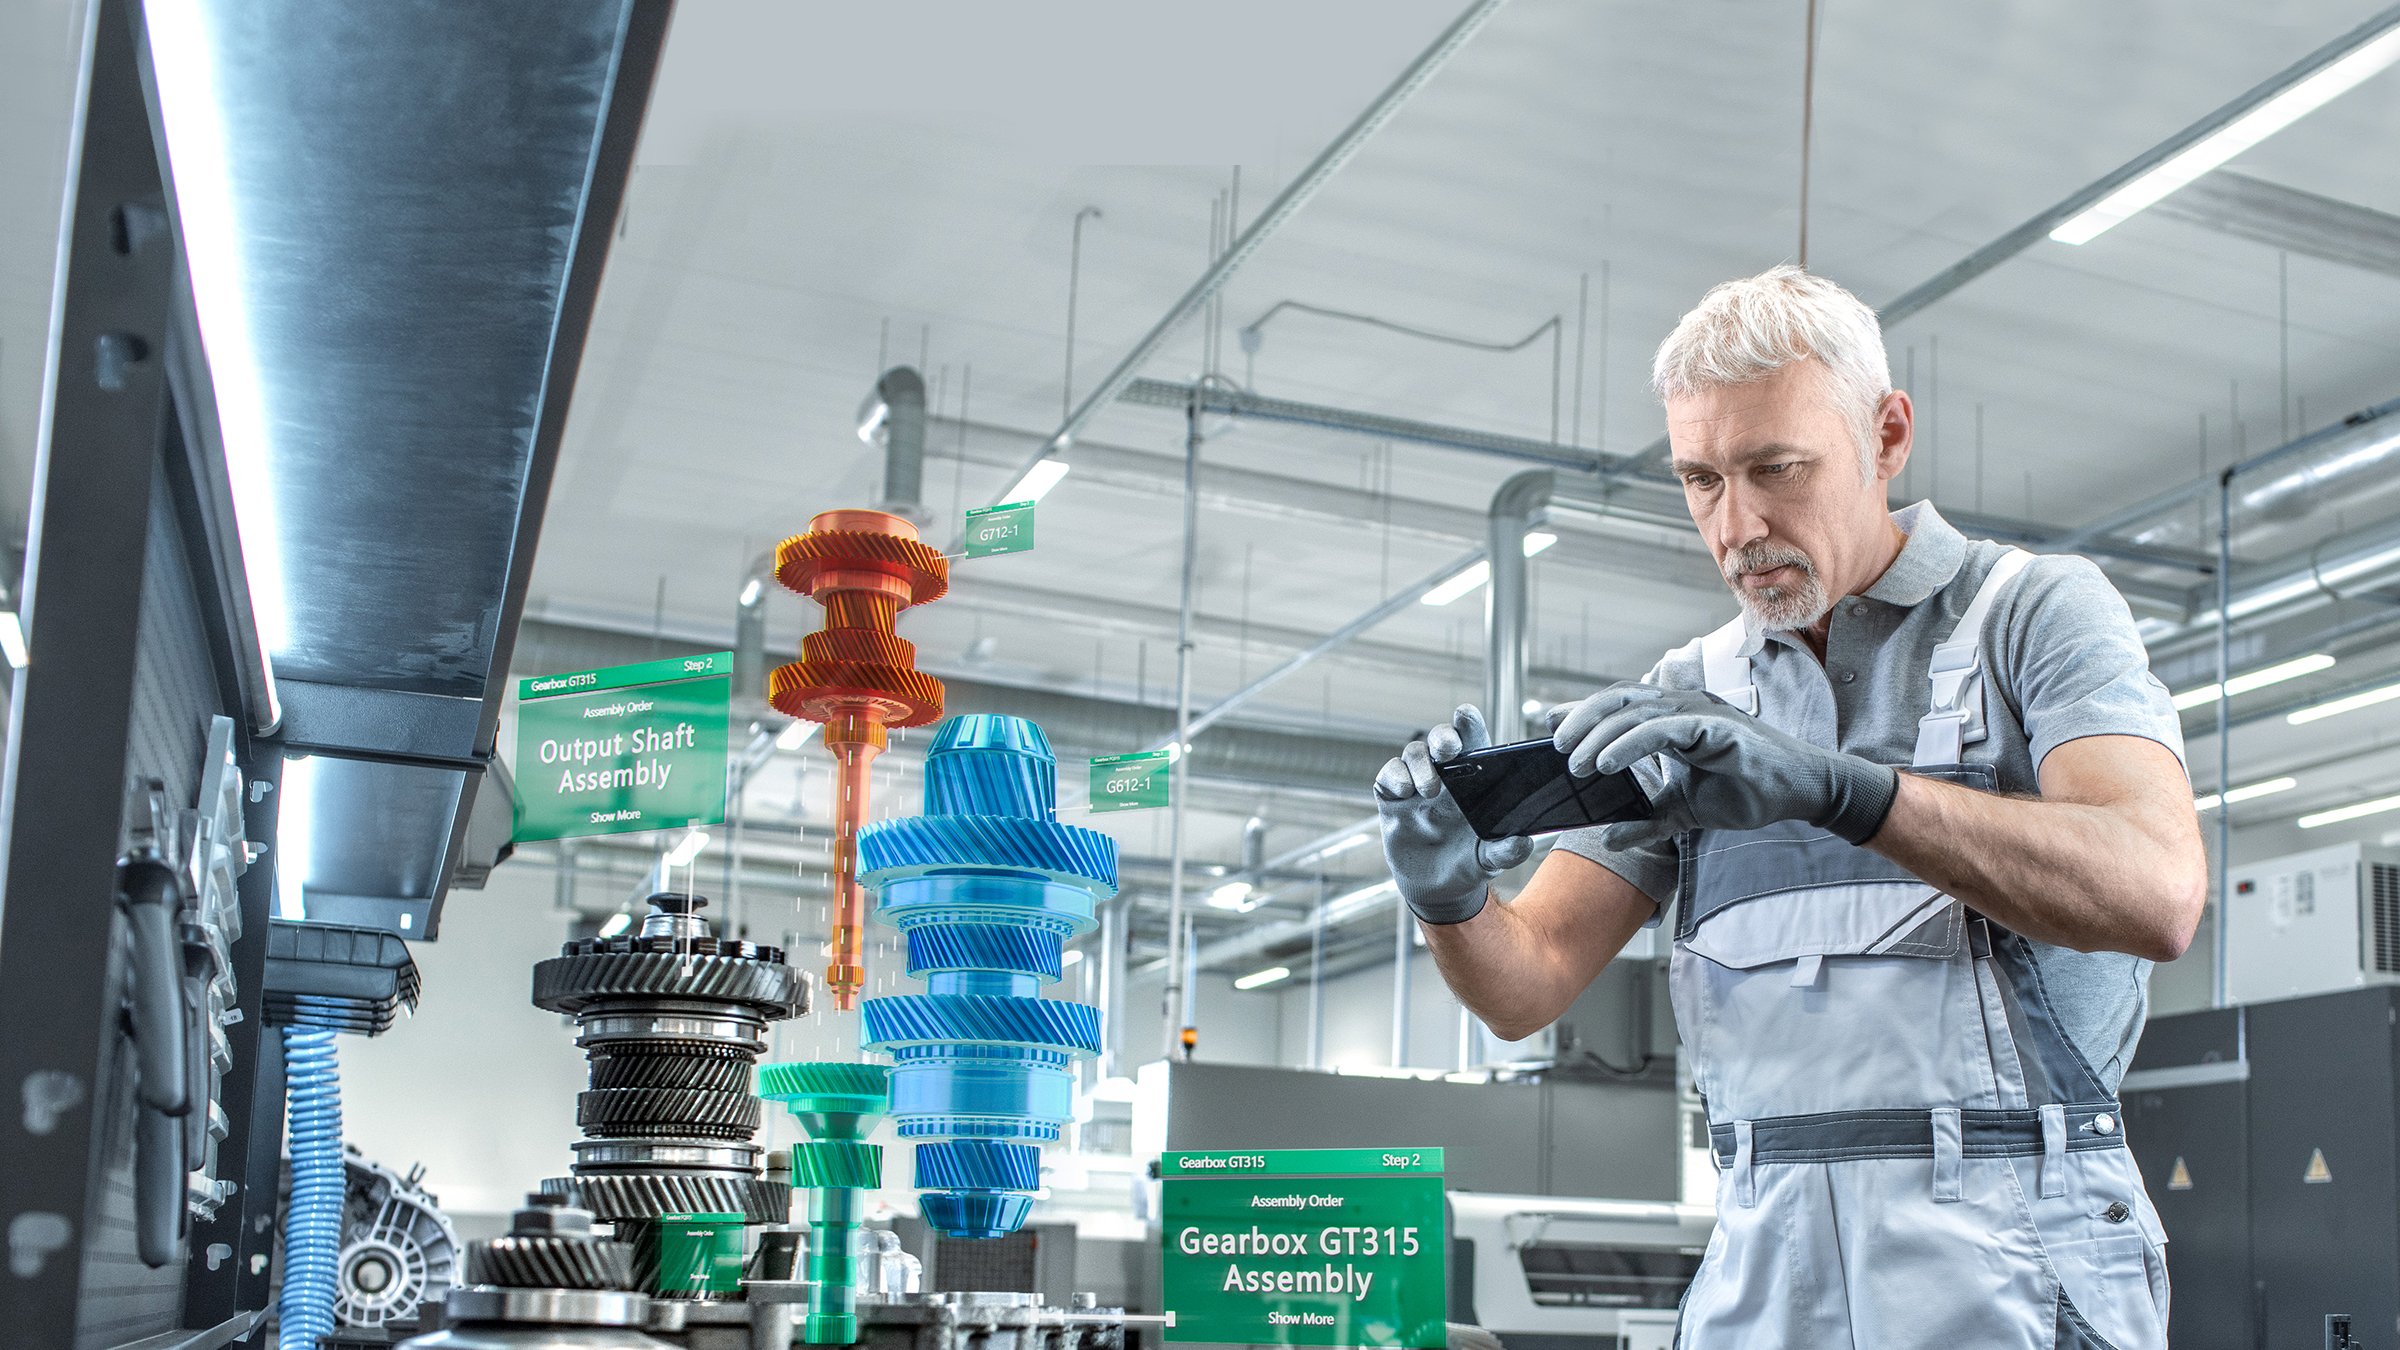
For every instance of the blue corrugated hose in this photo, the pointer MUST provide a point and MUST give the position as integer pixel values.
(312, 1226)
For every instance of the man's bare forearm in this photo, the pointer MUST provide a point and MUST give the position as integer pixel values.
(1518, 965)
(2094, 877)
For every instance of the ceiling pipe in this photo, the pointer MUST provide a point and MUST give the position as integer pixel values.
(893, 416)
(2343, 568)
(1286, 204)
(1506, 600)
(2364, 441)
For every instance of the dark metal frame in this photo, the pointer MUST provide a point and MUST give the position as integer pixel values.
(64, 791)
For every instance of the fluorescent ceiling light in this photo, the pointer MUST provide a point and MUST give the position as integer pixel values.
(2230, 140)
(1337, 847)
(2315, 712)
(1475, 574)
(617, 923)
(2256, 679)
(192, 116)
(1464, 583)
(1261, 977)
(1071, 958)
(2351, 812)
(12, 639)
(2242, 794)
(795, 735)
(687, 848)
(295, 830)
(1231, 895)
(1037, 482)
(751, 590)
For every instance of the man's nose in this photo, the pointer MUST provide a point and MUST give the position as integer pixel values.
(1738, 521)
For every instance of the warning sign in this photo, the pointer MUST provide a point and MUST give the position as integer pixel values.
(2181, 1178)
(2318, 1173)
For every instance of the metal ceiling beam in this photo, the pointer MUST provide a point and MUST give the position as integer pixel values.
(1917, 298)
(1287, 203)
(2038, 228)
(2325, 228)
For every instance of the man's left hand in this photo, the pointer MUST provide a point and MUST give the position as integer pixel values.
(1740, 773)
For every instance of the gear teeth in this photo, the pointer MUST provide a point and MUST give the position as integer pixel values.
(991, 1019)
(983, 947)
(613, 1112)
(800, 558)
(781, 1082)
(892, 849)
(837, 1162)
(863, 646)
(568, 984)
(550, 1263)
(728, 1072)
(815, 691)
(643, 1197)
(979, 1164)
(975, 1214)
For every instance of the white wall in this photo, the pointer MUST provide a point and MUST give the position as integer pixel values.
(479, 1085)
(1358, 1019)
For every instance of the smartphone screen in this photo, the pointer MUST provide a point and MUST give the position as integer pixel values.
(1509, 791)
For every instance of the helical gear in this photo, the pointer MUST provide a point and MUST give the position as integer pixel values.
(986, 886)
(858, 678)
(839, 1105)
(530, 1262)
(672, 1020)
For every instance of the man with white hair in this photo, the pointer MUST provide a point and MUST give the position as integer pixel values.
(1922, 816)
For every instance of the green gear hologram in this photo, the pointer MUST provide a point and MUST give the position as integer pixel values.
(839, 1105)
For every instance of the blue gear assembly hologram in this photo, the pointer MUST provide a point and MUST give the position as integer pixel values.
(986, 887)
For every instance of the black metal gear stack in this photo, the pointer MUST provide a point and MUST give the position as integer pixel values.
(673, 1021)
(550, 1245)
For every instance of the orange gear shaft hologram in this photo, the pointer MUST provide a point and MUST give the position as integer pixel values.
(857, 678)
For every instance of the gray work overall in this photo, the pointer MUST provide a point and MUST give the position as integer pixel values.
(1911, 1153)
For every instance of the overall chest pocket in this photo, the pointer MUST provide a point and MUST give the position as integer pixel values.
(1792, 892)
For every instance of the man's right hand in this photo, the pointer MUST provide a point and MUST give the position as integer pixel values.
(1443, 870)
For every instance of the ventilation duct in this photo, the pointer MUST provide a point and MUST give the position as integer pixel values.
(893, 417)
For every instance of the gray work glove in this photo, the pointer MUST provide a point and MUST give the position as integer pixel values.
(1443, 870)
(1738, 772)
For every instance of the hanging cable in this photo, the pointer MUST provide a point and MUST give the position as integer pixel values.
(1808, 119)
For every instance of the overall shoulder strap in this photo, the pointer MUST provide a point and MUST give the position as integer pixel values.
(1725, 670)
(1955, 718)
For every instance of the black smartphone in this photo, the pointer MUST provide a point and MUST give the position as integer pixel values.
(1509, 791)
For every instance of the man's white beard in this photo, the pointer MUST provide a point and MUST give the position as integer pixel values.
(1799, 605)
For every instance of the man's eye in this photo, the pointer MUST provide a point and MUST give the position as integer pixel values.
(1702, 481)
(1773, 469)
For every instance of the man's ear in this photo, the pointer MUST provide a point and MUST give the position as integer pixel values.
(1895, 434)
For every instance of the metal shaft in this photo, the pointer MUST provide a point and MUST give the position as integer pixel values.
(846, 960)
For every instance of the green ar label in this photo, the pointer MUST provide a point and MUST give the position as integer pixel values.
(1259, 1255)
(1131, 782)
(628, 748)
(1006, 528)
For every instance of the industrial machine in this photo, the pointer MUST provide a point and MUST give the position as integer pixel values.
(2265, 1135)
(2314, 922)
(700, 1251)
(1556, 1273)
(398, 1249)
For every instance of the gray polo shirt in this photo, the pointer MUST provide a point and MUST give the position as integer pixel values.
(2067, 663)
